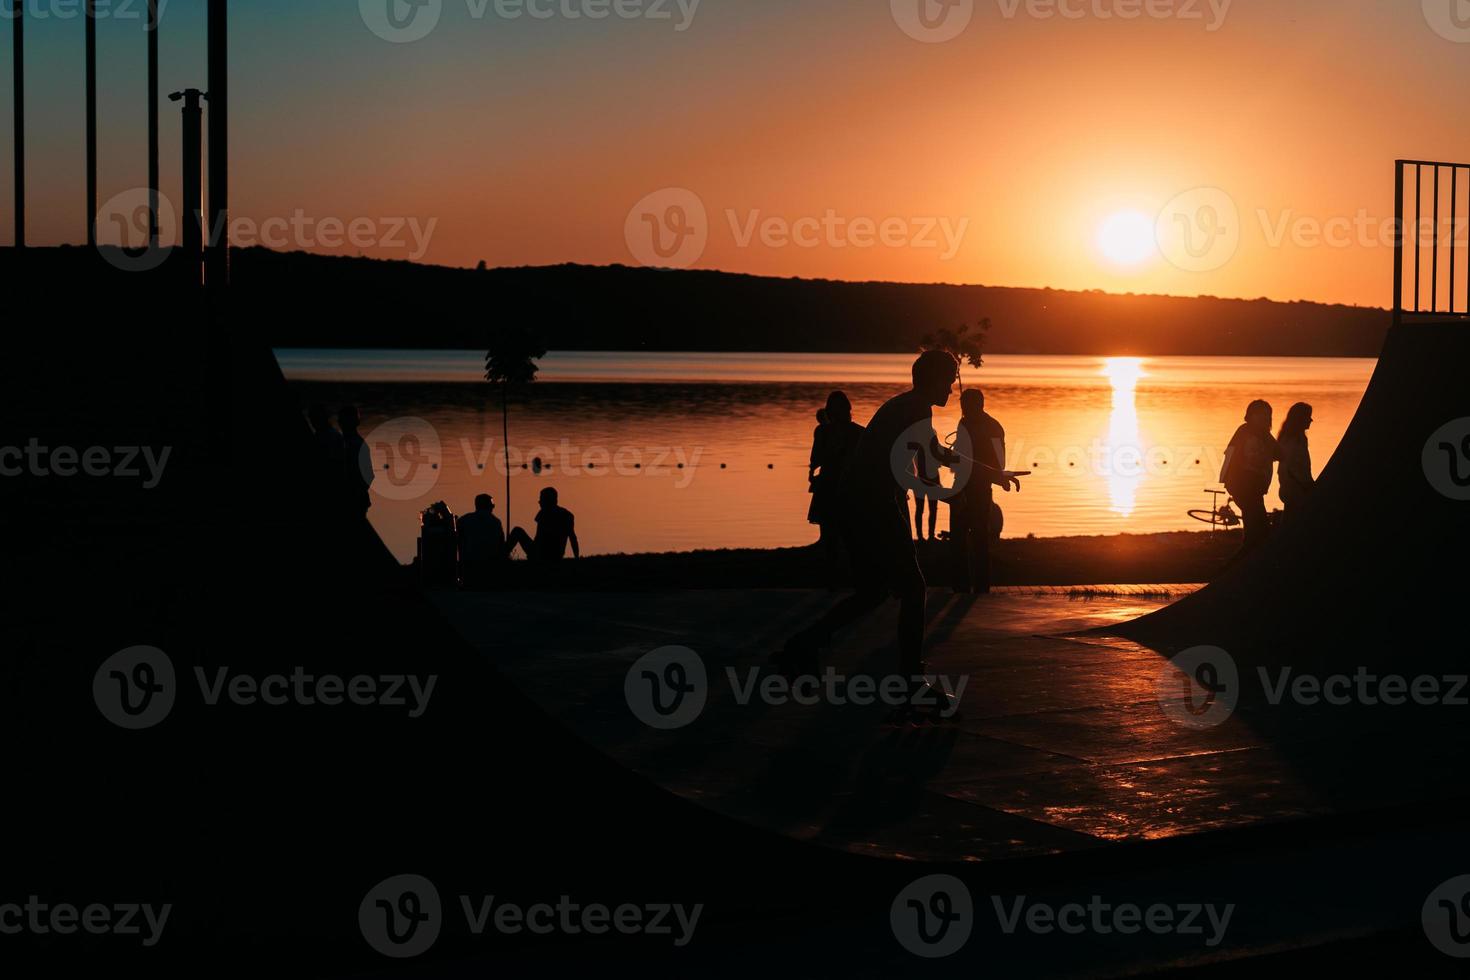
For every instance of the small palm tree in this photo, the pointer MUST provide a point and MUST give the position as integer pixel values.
(960, 342)
(511, 361)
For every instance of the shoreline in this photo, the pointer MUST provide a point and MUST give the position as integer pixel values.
(1165, 558)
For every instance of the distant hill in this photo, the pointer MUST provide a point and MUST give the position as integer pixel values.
(299, 299)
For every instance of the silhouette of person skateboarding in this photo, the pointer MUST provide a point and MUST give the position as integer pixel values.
(875, 522)
(1248, 470)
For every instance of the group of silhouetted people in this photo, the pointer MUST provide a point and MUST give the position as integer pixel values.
(342, 453)
(1252, 455)
(485, 549)
(861, 503)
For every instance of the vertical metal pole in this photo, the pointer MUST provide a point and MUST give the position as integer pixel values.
(217, 264)
(91, 19)
(1454, 227)
(1398, 238)
(19, 56)
(152, 122)
(1434, 263)
(1418, 220)
(192, 231)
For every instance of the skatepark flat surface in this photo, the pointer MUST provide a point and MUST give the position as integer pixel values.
(1061, 744)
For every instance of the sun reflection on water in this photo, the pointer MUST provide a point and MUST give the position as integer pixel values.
(1122, 461)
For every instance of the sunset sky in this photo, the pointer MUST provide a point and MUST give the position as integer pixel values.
(1026, 150)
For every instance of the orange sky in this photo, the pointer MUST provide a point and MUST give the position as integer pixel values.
(992, 157)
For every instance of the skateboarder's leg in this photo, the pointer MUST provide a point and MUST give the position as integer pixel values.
(959, 545)
(981, 536)
(909, 585)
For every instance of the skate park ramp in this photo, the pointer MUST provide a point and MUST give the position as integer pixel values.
(1376, 561)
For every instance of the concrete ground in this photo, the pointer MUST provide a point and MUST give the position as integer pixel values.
(1061, 743)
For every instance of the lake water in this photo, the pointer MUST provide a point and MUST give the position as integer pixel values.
(664, 452)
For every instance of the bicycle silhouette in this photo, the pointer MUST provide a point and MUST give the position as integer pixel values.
(1220, 515)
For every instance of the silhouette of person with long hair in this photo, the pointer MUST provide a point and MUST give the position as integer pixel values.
(1295, 469)
(1248, 470)
(833, 443)
(358, 462)
(875, 522)
(971, 513)
(555, 528)
(482, 546)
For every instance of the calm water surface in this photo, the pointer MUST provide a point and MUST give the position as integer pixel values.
(658, 452)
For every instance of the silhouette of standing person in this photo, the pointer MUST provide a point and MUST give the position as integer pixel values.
(833, 443)
(927, 470)
(359, 463)
(331, 448)
(482, 547)
(875, 522)
(555, 528)
(331, 451)
(1247, 472)
(971, 513)
(1295, 470)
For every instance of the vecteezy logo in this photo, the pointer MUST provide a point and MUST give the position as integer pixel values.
(933, 917)
(134, 688)
(667, 688)
(401, 21)
(401, 916)
(1450, 19)
(1199, 230)
(1447, 459)
(933, 21)
(1446, 917)
(667, 229)
(1199, 688)
(400, 459)
(914, 460)
(125, 217)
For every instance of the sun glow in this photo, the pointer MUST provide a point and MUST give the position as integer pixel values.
(1127, 238)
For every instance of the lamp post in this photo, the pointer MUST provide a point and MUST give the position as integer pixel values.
(217, 260)
(18, 13)
(192, 231)
(153, 123)
(90, 12)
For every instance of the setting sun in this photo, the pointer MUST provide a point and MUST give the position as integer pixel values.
(1126, 238)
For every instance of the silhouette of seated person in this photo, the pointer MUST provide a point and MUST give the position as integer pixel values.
(556, 527)
(483, 550)
(1249, 466)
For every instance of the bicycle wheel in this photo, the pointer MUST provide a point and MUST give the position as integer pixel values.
(1207, 516)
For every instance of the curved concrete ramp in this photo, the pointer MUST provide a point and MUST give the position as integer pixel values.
(1380, 556)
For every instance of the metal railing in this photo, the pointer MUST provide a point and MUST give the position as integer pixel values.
(1429, 213)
